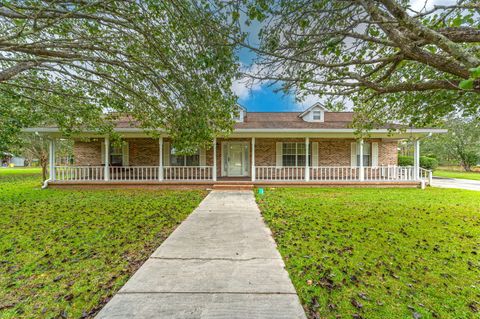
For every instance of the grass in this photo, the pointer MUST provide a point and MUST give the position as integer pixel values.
(457, 174)
(64, 253)
(379, 253)
(7, 171)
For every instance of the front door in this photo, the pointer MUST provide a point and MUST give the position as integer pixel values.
(235, 156)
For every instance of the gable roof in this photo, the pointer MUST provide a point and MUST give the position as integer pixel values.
(316, 105)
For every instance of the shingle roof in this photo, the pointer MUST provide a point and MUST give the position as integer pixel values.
(264, 120)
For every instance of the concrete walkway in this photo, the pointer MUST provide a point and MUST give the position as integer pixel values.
(456, 183)
(221, 262)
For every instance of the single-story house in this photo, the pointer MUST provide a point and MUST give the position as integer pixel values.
(314, 147)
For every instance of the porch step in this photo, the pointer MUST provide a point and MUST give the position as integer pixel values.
(233, 186)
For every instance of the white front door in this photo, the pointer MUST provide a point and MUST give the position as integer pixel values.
(235, 158)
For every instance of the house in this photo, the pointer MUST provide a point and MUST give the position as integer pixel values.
(9, 159)
(315, 147)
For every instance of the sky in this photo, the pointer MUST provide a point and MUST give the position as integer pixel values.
(264, 97)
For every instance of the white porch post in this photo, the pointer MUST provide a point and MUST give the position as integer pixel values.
(214, 173)
(361, 174)
(416, 159)
(307, 164)
(253, 159)
(106, 171)
(160, 159)
(51, 159)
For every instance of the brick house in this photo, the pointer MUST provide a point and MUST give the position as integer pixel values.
(315, 147)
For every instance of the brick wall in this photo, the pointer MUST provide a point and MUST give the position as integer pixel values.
(145, 152)
(87, 153)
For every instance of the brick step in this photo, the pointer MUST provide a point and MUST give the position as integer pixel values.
(233, 186)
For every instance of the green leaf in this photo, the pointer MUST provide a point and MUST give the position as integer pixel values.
(466, 84)
(475, 72)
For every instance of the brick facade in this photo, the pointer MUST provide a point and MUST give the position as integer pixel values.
(88, 153)
(145, 152)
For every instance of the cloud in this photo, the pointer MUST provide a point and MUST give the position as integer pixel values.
(245, 86)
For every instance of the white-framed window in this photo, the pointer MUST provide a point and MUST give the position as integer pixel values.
(317, 115)
(367, 154)
(184, 160)
(294, 154)
(116, 155)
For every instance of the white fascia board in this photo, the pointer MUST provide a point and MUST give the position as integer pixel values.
(330, 130)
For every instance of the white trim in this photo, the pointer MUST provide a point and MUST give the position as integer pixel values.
(315, 154)
(106, 173)
(51, 159)
(361, 173)
(307, 164)
(253, 159)
(374, 153)
(125, 154)
(315, 105)
(416, 159)
(353, 154)
(160, 159)
(214, 173)
(245, 166)
(259, 130)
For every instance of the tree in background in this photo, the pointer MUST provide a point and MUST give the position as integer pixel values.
(460, 145)
(166, 64)
(393, 62)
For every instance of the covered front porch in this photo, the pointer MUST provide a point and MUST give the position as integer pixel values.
(253, 160)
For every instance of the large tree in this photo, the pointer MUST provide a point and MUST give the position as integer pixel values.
(461, 145)
(394, 62)
(164, 63)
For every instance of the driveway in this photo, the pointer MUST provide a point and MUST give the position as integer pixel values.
(221, 262)
(456, 183)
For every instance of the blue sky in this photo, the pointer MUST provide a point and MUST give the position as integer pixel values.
(263, 98)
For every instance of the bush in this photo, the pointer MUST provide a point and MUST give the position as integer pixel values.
(425, 162)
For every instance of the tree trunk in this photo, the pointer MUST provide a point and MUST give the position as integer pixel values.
(466, 166)
(43, 164)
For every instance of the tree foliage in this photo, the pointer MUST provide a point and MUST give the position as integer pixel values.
(395, 63)
(460, 145)
(165, 64)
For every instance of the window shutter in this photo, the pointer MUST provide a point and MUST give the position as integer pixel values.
(166, 154)
(203, 157)
(353, 157)
(125, 154)
(374, 154)
(102, 152)
(279, 154)
(314, 154)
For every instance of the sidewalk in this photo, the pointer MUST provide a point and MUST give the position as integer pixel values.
(221, 262)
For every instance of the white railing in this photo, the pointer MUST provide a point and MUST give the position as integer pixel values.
(262, 173)
(134, 173)
(334, 173)
(188, 173)
(79, 173)
(279, 173)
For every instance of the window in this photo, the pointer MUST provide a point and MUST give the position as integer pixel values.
(184, 160)
(116, 156)
(367, 152)
(317, 115)
(293, 154)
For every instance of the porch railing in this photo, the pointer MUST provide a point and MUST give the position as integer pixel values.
(188, 173)
(276, 173)
(262, 173)
(133, 173)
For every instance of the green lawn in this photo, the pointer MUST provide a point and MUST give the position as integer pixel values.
(7, 171)
(379, 253)
(63, 253)
(457, 174)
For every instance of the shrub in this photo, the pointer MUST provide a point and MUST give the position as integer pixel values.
(425, 162)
